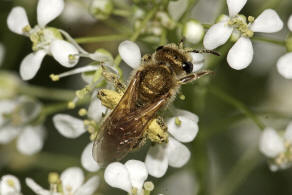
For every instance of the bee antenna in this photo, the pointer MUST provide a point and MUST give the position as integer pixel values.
(181, 43)
(206, 51)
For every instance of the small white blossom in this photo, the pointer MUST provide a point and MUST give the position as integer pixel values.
(76, 13)
(241, 54)
(128, 177)
(15, 118)
(193, 31)
(173, 153)
(10, 185)
(284, 63)
(277, 147)
(72, 183)
(42, 37)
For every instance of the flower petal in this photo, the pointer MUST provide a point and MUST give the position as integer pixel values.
(234, 6)
(178, 154)
(197, 61)
(96, 109)
(156, 161)
(130, 53)
(241, 54)
(116, 175)
(89, 187)
(137, 173)
(9, 185)
(31, 64)
(31, 140)
(187, 130)
(290, 23)
(217, 35)
(268, 22)
(62, 50)
(87, 160)
(271, 144)
(48, 11)
(68, 126)
(36, 188)
(284, 65)
(30, 108)
(288, 133)
(8, 133)
(177, 8)
(17, 20)
(193, 31)
(72, 178)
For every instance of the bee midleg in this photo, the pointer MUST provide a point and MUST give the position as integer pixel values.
(194, 76)
(157, 130)
(114, 78)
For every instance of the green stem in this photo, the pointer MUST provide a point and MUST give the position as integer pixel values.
(237, 104)
(136, 34)
(121, 12)
(269, 40)
(47, 93)
(101, 38)
(243, 167)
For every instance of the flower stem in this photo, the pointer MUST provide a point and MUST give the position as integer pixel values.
(121, 12)
(243, 167)
(269, 40)
(136, 34)
(47, 93)
(101, 38)
(237, 104)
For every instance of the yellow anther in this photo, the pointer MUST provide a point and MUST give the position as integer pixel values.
(53, 178)
(82, 112)
(26, 29)
(10, 182)
(54, 77)
(249, 33)
(182, 97)
(177, 121)
(149, 186)
(71, 105)
(86, 122)
(250, 19)
(71, 58)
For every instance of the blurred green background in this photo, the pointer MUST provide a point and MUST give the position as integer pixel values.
(226, 137)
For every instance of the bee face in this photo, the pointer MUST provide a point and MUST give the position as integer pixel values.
(178, 59)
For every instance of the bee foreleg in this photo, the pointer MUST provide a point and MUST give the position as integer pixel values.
(114, 78)
(194, 76)
(146, 58)
(203, 51)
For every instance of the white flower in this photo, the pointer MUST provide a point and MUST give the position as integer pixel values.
(277, 147)
(15, 116)
(284, 64)
(72, 127)
(10, 185)
(72, 183)
(184, 128)
(193, 31)
(42, 37)
(241, 54)
(128, 177)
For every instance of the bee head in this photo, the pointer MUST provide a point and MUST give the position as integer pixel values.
(177, 59)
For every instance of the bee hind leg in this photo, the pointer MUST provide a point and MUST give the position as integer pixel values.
(194, 76)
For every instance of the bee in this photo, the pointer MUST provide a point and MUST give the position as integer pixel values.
(153, 85)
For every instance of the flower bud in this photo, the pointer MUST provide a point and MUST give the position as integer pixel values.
(193, 31)
(9, 84)
(101, 9)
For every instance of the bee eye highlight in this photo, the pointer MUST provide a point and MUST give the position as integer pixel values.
(188, 67)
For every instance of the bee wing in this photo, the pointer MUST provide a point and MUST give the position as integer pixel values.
(123, 130)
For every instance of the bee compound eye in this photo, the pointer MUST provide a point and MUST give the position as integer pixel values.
(159, 48)
(188, 67)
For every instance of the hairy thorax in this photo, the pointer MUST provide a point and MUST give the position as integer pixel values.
(156, 80)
